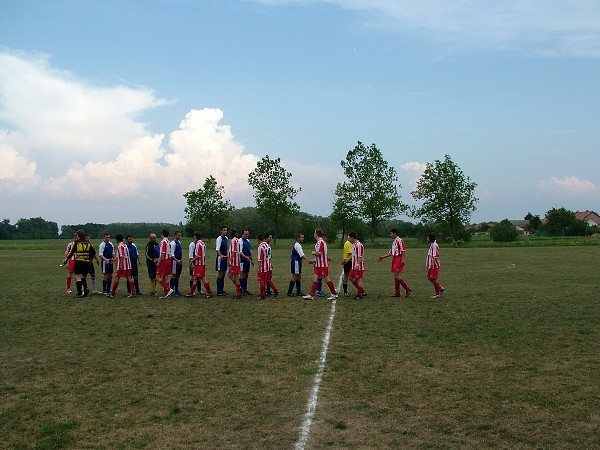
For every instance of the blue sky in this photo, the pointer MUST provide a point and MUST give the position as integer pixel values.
(110, 111)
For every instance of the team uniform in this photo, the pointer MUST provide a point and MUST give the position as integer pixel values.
(84, 253)
(296, 259)
(221, 262)
(321, 270)
(397, 252)
(348, 247)
(246, 251)
(433, 268)
(106, 249)
(123, 269)
(70, 265)
(134, 256)
(152, 253)
(265, 269)
(357, 262)
(199, 269)
(164, 269)
(234, 256)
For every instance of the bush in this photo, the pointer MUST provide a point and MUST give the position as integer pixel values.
(504, 232)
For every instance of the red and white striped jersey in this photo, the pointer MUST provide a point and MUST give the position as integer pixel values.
(358, 256)
(234, 254)
(433, 256)
(123, 260)
(200, 254)
(397, 247)
(321, 253)
(165, 248)
(68, 250)
(264, 257)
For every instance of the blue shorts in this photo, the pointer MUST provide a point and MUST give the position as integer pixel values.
(107, 267)
(245, 266)
(221, 264)
(134, 268)
(92, 269)
(151, 269)
(296, 267)
(176, 269)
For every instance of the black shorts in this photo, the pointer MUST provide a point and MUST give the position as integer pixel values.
(347, 267)
(82, 268)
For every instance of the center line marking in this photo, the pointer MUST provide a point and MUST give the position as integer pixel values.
(314, 394)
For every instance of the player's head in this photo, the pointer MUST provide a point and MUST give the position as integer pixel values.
(129, 238)
(260, 238)
(393, 232)
(224, 230)
(165, 233)
(119, 237)
(198, 235)
(353, 237)
(431, 238)
(232, 233)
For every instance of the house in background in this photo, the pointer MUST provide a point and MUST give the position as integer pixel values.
(589, 217)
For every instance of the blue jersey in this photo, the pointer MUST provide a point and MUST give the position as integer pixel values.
(107, 249)
(296, 256)
(178, 252)
(246, 247)
(133, 253)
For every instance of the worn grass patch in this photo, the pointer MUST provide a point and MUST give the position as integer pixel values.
(509, 358)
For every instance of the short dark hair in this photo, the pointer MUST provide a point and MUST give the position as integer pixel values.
(165, 233)
(119, 237)
(353, 235)
(197, 235)
(432, 236)
(394, 230)
(260, 237)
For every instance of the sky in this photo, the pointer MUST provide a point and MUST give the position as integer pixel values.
(110, 111)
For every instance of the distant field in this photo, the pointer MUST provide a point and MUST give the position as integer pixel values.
(508, 358)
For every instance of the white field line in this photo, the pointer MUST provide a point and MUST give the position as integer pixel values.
(314, 393)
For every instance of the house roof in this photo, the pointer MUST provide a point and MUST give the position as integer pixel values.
(588, 216)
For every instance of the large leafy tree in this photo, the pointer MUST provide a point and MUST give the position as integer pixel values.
(371, 189)
(559, 219)
(273, 193)
(447, 195)
(207, 205)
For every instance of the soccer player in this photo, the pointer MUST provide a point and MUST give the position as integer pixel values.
(84, 253)
(135, 262)
(123, 268)
(321, 268)
(152, 254)
(357, 263)
(177, 263)
(265, 267)
(433, 266)
(246, 262)
(397, 253)
(296, 266)
(93, 269)
(199, 264)
(347, 264)
(234, 259)
(192, 255)
(164, 265)
(70, 263)
(221, 261)
(107, 254)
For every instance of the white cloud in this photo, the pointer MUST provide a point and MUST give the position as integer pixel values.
(64, 140)
(569, 186)
(552, 28)
(412, 172)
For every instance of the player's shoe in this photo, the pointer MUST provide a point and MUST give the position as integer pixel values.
(69, 291)
(441, 290)
(236, 297)
(188, 295)
(345, 294)
(358, 297)
(320, 294)
(395, 294)
(308, 297)
(168, 294)
(86, 292)
(291, 294)
(436, 296)
(208, 296)
(260, 297)
(408, 292)
(131, 296)
(275, 293)
(332, 297)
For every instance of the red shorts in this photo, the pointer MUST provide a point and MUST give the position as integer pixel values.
(432, 274)
(199, 271)
(263, 276)
(234, 270)
(357, 274)
(164, 269)
(397, 264)
(123, 273)
(321, 272)
(71, 265)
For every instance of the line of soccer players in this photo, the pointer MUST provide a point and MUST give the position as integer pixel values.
(164, 261)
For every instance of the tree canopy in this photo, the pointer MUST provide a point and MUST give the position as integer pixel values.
(371, 189)
(273, 193)
(207, 205)
(447, 195)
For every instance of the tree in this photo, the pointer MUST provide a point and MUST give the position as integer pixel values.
(207, 205)
(342, 217)
(558, 220)
(273, 193)
(505, 231)
(371, 190)
(534, 222)
(447, 196)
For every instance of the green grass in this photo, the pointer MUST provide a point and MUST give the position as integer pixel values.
(508, 358)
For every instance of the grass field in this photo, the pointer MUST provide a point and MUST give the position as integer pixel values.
(508, 358)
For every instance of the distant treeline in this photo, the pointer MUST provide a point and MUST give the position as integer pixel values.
(39, 228)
